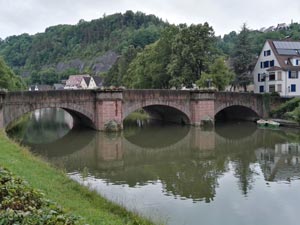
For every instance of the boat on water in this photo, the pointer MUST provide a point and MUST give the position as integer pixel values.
(267, 123)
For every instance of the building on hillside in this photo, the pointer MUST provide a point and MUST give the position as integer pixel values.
(98, 81)
(277, 68)
(90, 83)
(77, 81)
(282, 26)
(84, 81)
(269, 29)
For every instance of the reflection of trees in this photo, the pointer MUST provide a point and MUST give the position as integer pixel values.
(194, 179)
(188, 162)
(182, 172)
(42, 126)
(244, 171)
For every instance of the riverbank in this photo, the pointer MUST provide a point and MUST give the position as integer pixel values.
(57, 187)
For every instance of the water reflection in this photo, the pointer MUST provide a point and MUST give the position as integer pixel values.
(39, 126)
(184, 163)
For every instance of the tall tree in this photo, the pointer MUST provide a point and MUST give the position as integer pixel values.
(243, 58)
(193, 50)
(149, 68)
(219, 75)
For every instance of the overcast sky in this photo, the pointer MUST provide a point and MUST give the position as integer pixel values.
(32, 16)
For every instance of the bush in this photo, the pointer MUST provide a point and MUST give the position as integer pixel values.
(283, 109)
(21, 204)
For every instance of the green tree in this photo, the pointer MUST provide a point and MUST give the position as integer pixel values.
(219, 75)
(49, 76)
(119, 70)
(193, 50)
(149, 68)
(8, 80)
(243, 58)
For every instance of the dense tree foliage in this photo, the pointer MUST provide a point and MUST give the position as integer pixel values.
(243, 59)
(151, 53)
(219, 75)
(178, 58)
(193, 50)
(33, 55)
(149, 68)
(8, 80)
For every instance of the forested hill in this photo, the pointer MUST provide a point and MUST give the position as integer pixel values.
(139, 51)
(86, 47)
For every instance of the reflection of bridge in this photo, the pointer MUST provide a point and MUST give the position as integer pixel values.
(194, 152)
(101, 150)
(96, 108)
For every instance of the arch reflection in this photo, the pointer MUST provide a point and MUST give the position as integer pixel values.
(187, 162)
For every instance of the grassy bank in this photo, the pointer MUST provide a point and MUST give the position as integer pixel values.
(57, 187)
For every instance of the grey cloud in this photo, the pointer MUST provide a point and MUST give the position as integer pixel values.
(33, 16)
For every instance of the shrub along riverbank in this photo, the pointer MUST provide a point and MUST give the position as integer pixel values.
(74, 198)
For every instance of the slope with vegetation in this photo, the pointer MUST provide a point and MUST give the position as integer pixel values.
(139, 51)
(8, 80)
(86, 47)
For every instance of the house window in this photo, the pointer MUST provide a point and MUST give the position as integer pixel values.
(293, 74)
(261, 88)
(293, 87)
(272, 63)
(279, 76)
(268, 52)
(272, 88)
(266, 64)
(279, 88)
(271, 76)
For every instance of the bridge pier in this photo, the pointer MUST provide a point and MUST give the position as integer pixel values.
(202, 108)
(108, 111)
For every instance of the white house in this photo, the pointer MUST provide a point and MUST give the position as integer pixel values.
(90, 82)
(277, 68)
(77, 82)
(84, 81)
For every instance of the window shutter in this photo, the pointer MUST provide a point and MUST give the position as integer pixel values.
(258, 77)
(290, 74)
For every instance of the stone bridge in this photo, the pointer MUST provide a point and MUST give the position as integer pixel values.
(96, 108)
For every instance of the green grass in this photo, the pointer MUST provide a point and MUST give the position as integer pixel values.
(57, 187)
(138, 116)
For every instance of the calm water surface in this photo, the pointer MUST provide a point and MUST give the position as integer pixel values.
(232, 174)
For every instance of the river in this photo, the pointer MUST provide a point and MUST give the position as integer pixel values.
(232, 174)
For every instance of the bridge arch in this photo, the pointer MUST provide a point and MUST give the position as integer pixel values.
(165, 112)
(236, 112)
(79, 115)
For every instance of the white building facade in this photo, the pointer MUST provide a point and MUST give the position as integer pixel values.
(277, 68)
